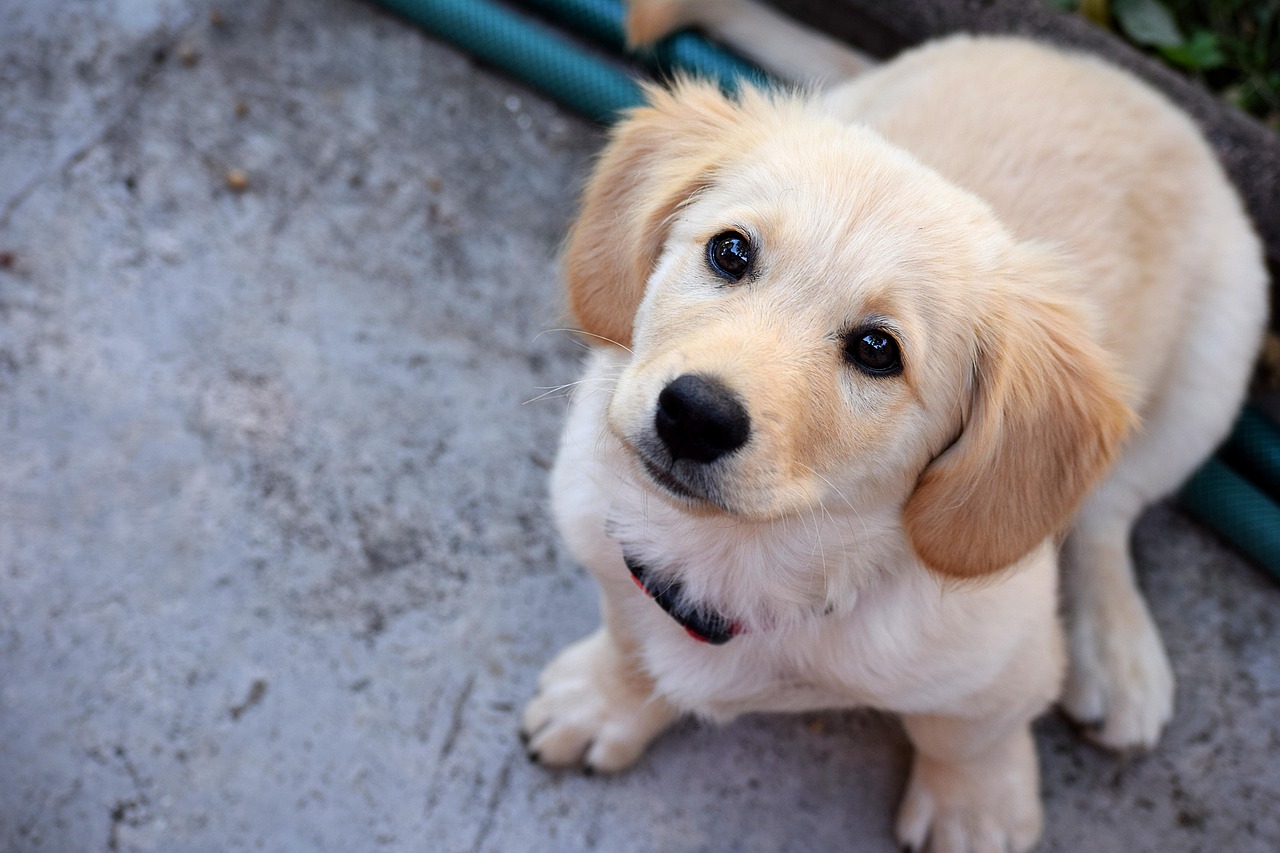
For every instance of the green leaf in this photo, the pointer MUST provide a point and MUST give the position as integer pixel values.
(1198, 53)
(1147, 22)
(1065, 5)
(1096, 11)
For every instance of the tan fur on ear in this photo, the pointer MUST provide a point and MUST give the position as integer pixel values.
(658, 157)
(1046, 420)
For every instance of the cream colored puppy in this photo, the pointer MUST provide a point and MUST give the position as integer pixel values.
(861, 357)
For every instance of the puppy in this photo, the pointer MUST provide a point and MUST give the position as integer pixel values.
(861, 359)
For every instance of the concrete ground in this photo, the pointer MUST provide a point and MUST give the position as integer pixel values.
(275, 565)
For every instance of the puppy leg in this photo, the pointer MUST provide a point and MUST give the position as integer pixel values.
(974, 787)
(774, 41)
(1119, 681)
(594, 706)
(1119, 678)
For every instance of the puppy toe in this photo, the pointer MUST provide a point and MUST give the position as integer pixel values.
(556, 728)
(615, 748)
(1137, 714)
(561, 743)
(1119, 685)
(537, 713)
(922, 828)
(984, 804)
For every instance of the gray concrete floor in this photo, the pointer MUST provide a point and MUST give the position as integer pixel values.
(275, 566)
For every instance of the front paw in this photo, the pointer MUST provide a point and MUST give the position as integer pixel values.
(594, 708)
(1119, 681)
(983, 806)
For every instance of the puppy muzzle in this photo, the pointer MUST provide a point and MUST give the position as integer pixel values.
(697, 424)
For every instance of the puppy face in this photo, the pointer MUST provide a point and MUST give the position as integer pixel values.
(816, 320)
(805, 336)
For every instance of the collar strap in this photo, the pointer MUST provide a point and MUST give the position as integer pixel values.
(705, 626)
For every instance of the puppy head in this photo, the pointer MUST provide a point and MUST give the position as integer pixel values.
(817, 322)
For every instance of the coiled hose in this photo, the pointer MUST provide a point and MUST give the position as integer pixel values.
(528, 50)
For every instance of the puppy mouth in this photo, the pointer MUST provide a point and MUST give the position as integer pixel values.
(694, 491)
(667, 480)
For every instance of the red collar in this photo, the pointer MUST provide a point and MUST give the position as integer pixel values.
(705, 626)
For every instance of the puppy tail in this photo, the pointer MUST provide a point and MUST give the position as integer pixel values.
(775, 42)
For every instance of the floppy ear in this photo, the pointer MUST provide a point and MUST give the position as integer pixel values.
(1046, 419)
(657, 157)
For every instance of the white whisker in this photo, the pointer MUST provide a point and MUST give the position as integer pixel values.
(553, 393)
(588, 334)
(848, 503)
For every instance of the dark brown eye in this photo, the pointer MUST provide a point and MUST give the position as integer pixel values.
(874, 351)
(729, 254)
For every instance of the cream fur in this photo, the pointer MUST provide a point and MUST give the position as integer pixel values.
(1060, 258)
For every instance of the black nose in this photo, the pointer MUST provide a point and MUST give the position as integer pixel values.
(698, 418)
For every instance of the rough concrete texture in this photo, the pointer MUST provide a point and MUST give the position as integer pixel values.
(275, 565)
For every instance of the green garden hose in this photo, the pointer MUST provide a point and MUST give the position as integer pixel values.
(530, 52)
(1254, 450)
(543, 58)
(602, 21)
(1239, 511)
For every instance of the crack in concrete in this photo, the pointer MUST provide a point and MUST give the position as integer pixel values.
(455, 719)
(131, 811)
(495, 799)
(162, 44)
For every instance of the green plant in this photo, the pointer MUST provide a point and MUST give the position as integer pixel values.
(1232, 45)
